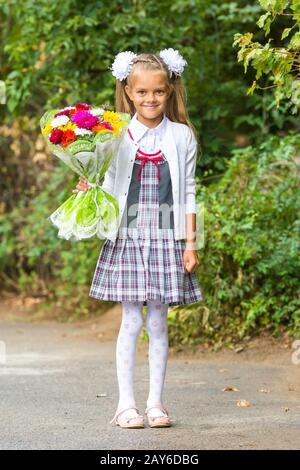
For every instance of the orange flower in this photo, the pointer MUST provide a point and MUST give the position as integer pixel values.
(68, 137)
(98, 128)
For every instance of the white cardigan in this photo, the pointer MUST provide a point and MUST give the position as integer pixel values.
(179, 146)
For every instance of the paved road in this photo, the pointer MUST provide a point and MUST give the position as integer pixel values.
(59, 391)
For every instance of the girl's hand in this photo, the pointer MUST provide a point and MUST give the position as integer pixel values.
(82, 185)
(190, 260)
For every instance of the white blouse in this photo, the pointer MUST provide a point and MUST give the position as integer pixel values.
(149, 139)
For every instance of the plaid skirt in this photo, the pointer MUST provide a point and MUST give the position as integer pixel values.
(145, 262)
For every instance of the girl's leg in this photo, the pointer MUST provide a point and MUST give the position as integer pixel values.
(157, 329)
(131, 325)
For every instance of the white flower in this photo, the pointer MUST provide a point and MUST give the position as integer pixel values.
(80, 131)
(59, 121)
(122, 64)
(97, 111)
(174, 60)
(68, 107)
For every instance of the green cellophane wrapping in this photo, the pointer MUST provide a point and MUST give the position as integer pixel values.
(78, 217)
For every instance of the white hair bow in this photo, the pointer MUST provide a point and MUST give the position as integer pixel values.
(123, 62)
(174, 60)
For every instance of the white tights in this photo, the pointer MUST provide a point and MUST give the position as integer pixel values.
(157, 329)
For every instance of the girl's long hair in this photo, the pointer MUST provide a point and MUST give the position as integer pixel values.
(176, 109)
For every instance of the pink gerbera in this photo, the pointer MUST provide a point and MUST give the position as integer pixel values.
(85, 120)
(107, 125)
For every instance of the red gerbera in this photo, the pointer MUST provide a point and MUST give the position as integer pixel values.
(56, 136)
(82, 106)
(65, 112)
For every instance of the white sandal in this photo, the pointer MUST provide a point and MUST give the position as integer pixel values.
(129, 422)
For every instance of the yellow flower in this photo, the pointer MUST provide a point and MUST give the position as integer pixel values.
(117, 127)
(110, 116)
(68, 127)
(47, 129)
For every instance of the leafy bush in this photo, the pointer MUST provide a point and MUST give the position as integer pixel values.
(48, 63)
(250, 267)
(35, 262)
(279, 61)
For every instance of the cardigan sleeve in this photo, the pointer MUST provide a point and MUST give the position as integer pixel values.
(190, 186)
(109, 177)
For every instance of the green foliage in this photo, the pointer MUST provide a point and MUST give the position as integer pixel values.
(280, 62)
(54, 54)
(62, 53)
(250, 265)
(40, 264)
(249, 268)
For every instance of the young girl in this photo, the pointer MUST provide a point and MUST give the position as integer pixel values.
(152, 258)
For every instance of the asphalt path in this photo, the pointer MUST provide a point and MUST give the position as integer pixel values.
(59, 391)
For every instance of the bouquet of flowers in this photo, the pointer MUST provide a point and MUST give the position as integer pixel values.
(85, 138)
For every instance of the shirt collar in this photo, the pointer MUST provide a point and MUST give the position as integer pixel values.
(139, 129)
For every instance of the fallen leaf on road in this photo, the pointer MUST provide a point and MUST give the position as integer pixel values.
(230, 389)
(243, 403)
(292, 388)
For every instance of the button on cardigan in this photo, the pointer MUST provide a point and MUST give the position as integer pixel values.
(179, 146)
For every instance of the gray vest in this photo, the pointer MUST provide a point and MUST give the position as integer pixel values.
(166, 212)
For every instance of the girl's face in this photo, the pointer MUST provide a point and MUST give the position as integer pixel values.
(149, 93)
